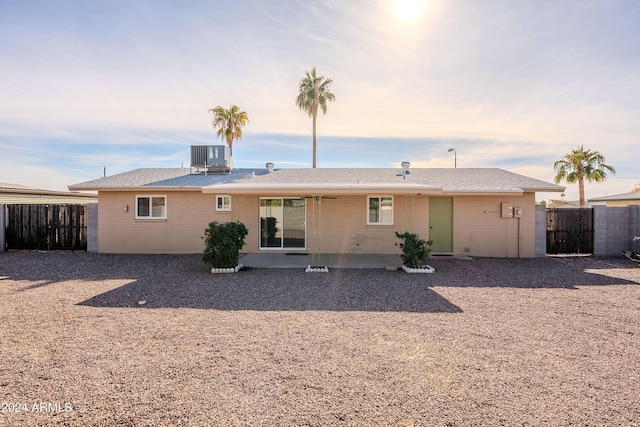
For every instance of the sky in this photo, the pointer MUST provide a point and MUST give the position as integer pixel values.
(88, 88)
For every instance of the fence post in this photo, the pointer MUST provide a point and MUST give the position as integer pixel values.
(541, 231)
(3, 227)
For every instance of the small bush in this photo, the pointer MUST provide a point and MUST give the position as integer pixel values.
(223, 243)
(415, 251)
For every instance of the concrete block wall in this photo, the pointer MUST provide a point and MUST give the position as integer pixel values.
(541, 230)
(92, 227)
(614, 230)
(634, 228)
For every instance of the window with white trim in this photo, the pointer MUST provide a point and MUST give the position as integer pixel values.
(380, 210)
(151, 207)
(223, 203)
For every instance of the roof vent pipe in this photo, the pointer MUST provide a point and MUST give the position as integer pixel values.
(405, 170)
(269, 167)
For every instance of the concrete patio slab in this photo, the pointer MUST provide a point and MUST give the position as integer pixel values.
(302, 260)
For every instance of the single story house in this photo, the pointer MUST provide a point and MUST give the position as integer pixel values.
(624, 199)
(565, 204)
(20, 194)
(475, 211)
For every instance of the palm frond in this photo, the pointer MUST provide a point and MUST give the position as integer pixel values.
(580, 165)
(313, 93)
(228, 123)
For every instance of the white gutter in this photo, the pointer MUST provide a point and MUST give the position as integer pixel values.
(137, 188)
(313, 186)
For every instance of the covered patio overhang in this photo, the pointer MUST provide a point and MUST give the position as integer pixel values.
(301, 190)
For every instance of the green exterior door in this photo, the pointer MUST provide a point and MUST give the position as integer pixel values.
(441, 223)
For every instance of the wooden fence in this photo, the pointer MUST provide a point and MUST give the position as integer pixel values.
(46, 227)
(570, 231)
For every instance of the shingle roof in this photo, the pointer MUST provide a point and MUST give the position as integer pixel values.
(474, 180)
(202, 180)
(447, 179)
(164, 177)
(634, 195)
(134, 178)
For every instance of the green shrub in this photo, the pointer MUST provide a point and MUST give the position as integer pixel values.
(415, 251)
(222, 244)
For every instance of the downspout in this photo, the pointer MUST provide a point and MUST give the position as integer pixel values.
(519, 236)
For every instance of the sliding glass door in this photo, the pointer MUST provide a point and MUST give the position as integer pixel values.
(282, 223)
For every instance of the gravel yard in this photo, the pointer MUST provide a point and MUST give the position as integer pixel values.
(547, 341)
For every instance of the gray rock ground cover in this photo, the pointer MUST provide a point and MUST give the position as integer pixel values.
(549, 341)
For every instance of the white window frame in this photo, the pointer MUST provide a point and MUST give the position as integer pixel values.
(379, 222)
(151, 213)
(223, 207)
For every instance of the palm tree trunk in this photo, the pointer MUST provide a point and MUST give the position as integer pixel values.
(314, 140)
(581, 190)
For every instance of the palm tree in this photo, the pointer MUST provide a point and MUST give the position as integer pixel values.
(229, 124)
(313, 92)
(581, 164)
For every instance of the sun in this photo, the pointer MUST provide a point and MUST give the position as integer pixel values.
(408, 10)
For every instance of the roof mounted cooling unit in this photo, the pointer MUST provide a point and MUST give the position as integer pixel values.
(211, 158)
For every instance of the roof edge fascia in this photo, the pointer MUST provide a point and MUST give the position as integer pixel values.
(139, 188)
(490, 192)
(598, 199)
(341, 186)
(322, 192)
(34, 191)
(545, 190)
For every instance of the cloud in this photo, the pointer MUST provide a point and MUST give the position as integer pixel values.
(130, 84)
